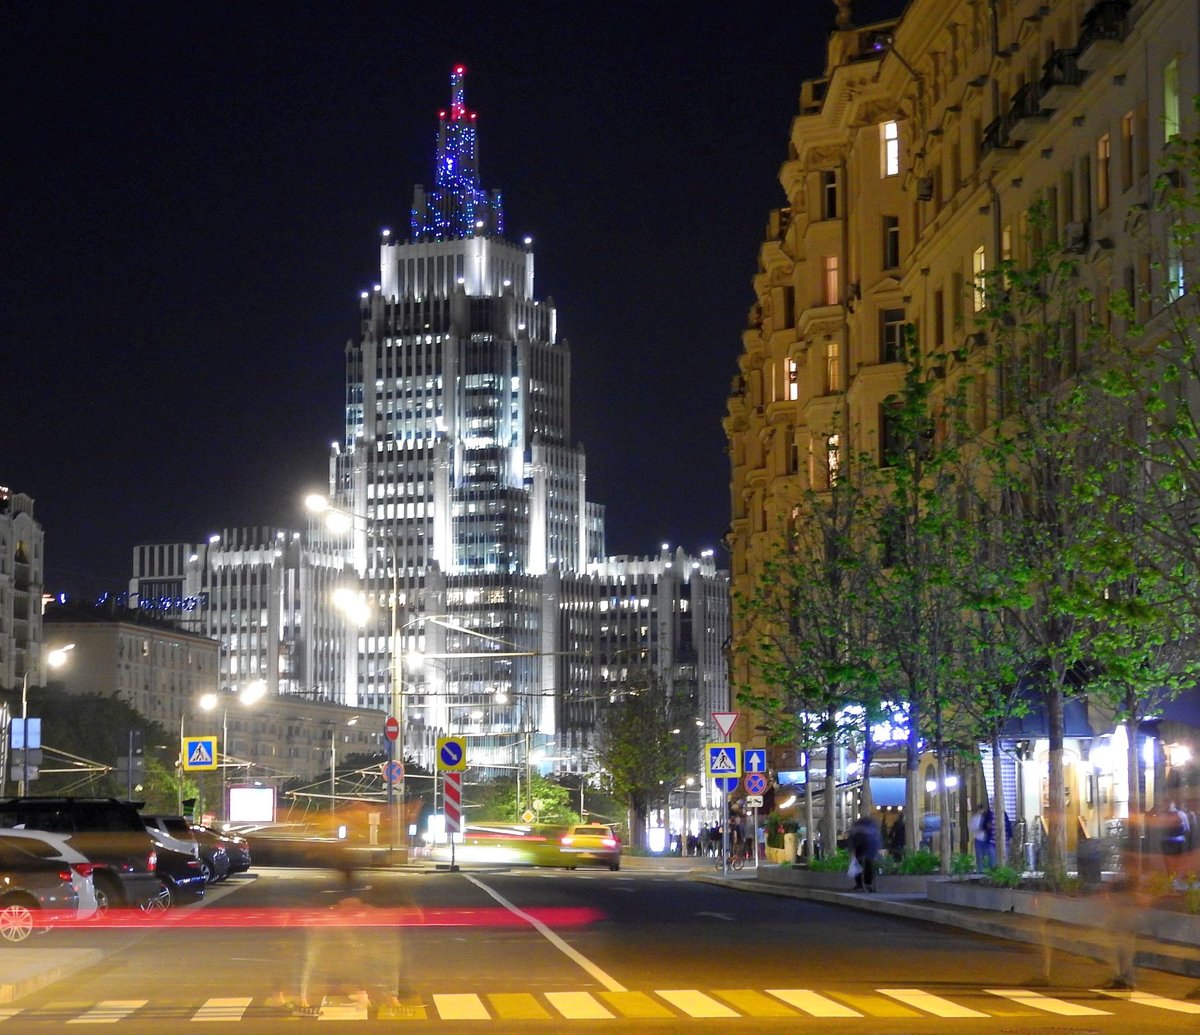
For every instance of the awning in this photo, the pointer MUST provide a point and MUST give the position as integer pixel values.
(887, 791)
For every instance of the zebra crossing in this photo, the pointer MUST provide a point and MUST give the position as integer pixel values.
(671, 1003)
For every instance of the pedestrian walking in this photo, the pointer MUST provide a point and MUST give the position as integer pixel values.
(864, 842)
(1176, 832)
(983, 837)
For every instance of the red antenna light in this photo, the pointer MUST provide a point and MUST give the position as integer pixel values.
(459, 70)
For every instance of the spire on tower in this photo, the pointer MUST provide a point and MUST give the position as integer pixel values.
(457, 206)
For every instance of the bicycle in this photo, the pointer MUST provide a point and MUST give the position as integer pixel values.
(736, 861)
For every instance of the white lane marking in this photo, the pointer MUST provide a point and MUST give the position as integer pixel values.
(461, 1006)
(109, 1011)
(8, 1014)
(578, 1006)
(812, 1003)
(222, 1010)
(1148, 999)
(929, 1003)
(609, 982)
(1026, 997)
(695, 1004)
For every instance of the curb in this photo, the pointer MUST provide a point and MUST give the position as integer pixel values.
(1074, 941)
(31, 969)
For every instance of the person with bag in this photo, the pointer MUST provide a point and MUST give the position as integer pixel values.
(1175, 837)
(864, 842)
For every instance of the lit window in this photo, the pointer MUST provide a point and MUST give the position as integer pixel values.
(889, 140)
(979, 276)
(1171, 100)
(1103, 154)
(833, 367)
(830, 286)
(833, 458)
(793, 389)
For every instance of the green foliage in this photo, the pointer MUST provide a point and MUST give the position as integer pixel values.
(962, 863)
(838, 862)
(496, 801)
(1191, 894)
(919, 863)
(647, 743)
(1003, 877)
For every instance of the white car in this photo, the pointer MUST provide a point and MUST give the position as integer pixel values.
(56, 848)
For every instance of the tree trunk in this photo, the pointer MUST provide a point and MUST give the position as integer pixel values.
(829, 816)
(912, 787)
(809, 832)
(946, 841)
(998, 802)
(866, 801)
(1055, 861)
(1134, 826)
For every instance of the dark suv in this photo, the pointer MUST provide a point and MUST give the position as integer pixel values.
(106, 830)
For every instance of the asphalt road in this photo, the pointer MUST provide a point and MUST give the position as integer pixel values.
(547, 950)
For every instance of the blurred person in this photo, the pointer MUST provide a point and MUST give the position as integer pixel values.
(864, 843)
(1176, 831)
(896, 838)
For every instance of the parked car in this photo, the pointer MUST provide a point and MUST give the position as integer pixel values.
(214, 853)
(56, 848)
(181, 874)
(173, 831)
(238, 850)
(107, 831)
(590, 842)
(34, 891)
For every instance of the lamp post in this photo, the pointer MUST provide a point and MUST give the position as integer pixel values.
(55, 659)
(250, 694)
(338, 520)
(333, 732)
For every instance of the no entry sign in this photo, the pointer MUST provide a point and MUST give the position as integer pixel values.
(391, 728)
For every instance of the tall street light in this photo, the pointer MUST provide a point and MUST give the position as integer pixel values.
(250, 694)
(55, 659)
(341, 521)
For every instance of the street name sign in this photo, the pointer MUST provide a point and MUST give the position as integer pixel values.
(451, 755)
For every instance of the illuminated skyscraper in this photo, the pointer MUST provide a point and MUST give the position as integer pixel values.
(457, 461)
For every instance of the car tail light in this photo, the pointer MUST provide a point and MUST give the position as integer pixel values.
(609, 842)
(152, 861)
(65, 874)
(84, 869)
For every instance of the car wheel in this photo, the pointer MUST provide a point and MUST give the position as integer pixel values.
(615, 866)
(108, 894)
(161, 902)
(16, 919)
(207, 871)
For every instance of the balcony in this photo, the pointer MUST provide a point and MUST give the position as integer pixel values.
(999, 143)
(1026, 113)
(1105, 27)
(1061, 78)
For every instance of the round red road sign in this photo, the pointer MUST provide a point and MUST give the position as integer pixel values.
(391, 728)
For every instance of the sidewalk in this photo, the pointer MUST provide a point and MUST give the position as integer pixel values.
(1097, 943)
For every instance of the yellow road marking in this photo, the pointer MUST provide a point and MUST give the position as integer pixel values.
(635, 1005)
(517, 1006)
(694, 1003)
(1047, 1003)
(578, 1006)
(812, 1003)
(929, 1003)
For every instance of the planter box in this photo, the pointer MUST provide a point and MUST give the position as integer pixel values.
(1083, 910)
(894, 884)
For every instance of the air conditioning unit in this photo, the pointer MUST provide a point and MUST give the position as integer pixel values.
(1075, 237)
(925, 188)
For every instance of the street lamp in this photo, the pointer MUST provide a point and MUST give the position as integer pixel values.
(250, 694)
(333, 732)
(341, 521)
(55, 659)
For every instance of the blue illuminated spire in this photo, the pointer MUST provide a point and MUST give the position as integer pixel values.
(457, 206)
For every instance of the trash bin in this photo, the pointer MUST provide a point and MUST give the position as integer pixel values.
(1090, 855)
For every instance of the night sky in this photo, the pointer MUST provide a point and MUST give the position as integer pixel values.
(192, 196)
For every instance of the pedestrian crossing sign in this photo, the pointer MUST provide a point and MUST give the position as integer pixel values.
(723, 759)
(199, 753)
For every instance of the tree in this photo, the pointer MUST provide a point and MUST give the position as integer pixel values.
(645, 743)
(807, 638)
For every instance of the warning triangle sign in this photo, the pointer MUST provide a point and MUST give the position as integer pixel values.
(200, 755)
